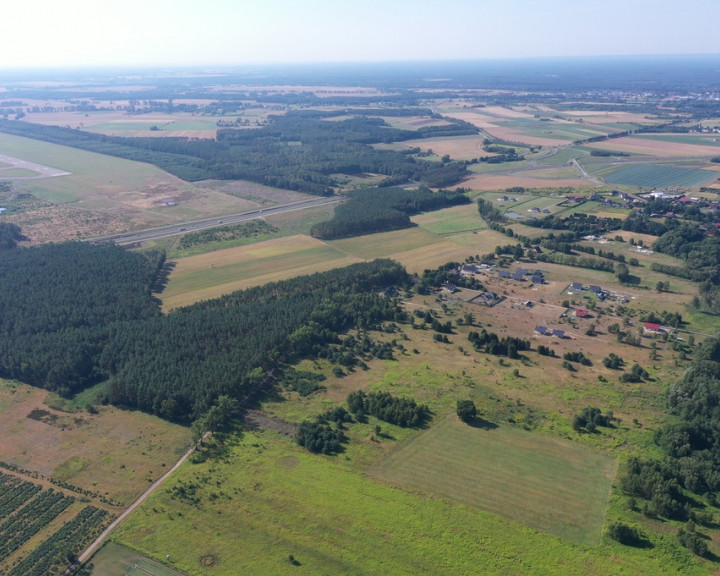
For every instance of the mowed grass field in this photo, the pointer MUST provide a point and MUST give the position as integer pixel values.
(547, 483)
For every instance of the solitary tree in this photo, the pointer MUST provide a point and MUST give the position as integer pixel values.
(466, 410)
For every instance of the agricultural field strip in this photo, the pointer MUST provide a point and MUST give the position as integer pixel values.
(40, 170)
(658, 176)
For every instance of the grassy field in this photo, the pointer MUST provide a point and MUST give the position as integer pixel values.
(269, 503)
(113, 453)
(210, 275)
(549, 484)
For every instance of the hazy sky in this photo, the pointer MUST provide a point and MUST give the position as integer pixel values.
(97, 32)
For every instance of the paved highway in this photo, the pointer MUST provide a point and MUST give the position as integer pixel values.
(195, 225)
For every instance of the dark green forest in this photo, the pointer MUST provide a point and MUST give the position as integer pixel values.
(75, 314)
(380, 210)
(57, 303)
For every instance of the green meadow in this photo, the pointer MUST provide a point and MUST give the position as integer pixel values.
(269, 507)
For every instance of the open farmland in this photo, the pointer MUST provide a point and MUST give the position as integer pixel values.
(638, 144)
(113, 453)
(656, 176)
(552, 485)
(211, 275)
(525, 179)
(274, 500)
(457, 147)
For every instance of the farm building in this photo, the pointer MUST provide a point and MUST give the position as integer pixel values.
(538, 278)
(541, 330)
(558, 333)
(577, 286)
(652, 328)
(504, 274)
(581, 313)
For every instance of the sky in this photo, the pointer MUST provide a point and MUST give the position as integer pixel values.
(77, 33)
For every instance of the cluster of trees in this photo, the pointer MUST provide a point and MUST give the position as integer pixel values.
(627, 535)
(226, 233)
(466, 410)
(578, 357)
(320, 436)
(691, 445)
(637, 374)
(489, 212)
(545, 350)
(404, 412)
(490, 343)
(578, 223)
(590, 418)
(613, 361)
(382, 209)
(302, 381)
(10, 235)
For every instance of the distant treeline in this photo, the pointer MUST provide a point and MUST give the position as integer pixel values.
(383, 209)
(300, 150)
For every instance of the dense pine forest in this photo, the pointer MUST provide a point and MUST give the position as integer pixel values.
(301, 150)
(57, 303)
(381, 210)
(74, 314)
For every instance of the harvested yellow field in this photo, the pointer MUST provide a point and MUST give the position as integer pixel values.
(211, 275)
(656, 148)
(487, 182)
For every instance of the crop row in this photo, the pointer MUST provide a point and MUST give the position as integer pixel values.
(14, 492)
(29, 520)
(63, 546)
